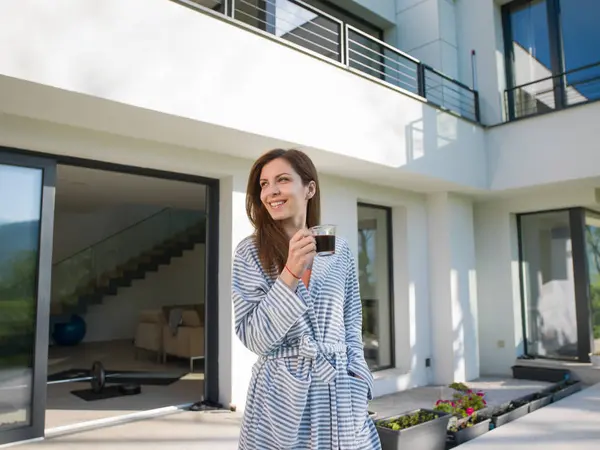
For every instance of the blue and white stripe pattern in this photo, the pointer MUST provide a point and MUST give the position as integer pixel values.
(301, 395)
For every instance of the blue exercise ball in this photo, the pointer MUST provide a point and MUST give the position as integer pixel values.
(71, 332)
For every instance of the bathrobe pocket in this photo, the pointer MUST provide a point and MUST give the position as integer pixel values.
(359, 391)
(285, 403)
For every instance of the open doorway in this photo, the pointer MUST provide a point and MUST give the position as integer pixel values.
(128, 290)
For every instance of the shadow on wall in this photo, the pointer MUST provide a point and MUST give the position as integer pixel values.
(441, 144)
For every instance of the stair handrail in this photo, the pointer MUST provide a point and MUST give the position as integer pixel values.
(110, 236)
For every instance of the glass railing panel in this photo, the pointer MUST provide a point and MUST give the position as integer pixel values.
(95, 265)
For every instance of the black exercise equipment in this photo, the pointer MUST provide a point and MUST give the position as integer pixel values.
(97, 378)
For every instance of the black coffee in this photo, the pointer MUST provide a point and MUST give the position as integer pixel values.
(325, 243)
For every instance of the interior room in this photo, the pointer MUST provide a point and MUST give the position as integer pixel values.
(128, 287)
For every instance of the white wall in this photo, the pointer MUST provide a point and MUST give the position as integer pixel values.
(426, 29)
(552, 148)
(500, 332)
(179, 283)
(74, 231)
(327, 108)
(479, 28)
(455, 353)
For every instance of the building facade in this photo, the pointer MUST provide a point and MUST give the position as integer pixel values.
(455, 140)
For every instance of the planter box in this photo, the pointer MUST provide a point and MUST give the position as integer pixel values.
(537, 403)
(509, 416)
(426, 436)
(568, 390)
(467, 434)
(548, 374)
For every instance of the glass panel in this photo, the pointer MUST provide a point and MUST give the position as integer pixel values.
(20, 206)
(373, 271)
(592, 248)
(531, 52)
(292, 22)
(548, 285)
(581, 34)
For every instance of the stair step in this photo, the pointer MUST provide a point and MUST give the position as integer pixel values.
(94, 291)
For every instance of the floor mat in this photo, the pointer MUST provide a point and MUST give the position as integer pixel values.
(108, 392)
(124, 376)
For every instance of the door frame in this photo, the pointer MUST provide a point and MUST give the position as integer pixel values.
(43, 284)
(211, 328)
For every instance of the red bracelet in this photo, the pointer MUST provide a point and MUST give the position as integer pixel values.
(292, 273)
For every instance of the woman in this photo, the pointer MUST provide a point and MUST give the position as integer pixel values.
(302, 315)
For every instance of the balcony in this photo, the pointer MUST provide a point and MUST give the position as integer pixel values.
(325, 36)
(553, 92)
(157, 71)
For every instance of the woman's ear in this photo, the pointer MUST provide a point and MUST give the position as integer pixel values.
(312, 190)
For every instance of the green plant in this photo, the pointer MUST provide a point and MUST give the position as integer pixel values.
(464, 401)
(458, 424)
(407, 421)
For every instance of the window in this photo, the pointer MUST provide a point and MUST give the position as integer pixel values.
(375, 278)
(592, 250)
(551, 54)
(558, 268)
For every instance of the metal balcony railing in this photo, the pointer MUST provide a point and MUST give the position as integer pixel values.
(318, 32)
(556, 92)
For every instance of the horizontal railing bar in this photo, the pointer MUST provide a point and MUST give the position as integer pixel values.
(562, 74)
(288, 22)
(379, 42)
(338, 24)
(437, 72)
(448, 101)
(450, 87)
(383, 55)
(298, 37)
(318, 12)
(386, 75)
(383, 65)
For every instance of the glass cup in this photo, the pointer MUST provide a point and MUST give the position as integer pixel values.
(325, 238)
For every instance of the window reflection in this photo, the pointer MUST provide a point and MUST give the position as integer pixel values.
(374, 278)
(20, 202)
(548, 285)
(592, 248)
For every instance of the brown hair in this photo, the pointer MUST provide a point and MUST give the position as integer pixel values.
(271, 240)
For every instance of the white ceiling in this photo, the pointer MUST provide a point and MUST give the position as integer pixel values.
(82, 190)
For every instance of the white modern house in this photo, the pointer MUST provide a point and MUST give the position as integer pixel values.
(457, 143)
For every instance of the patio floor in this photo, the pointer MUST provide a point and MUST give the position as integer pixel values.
(572, 423)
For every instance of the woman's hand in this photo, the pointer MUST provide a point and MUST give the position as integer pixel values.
(301, 253)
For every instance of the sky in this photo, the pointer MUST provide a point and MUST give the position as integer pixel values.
(20, 194)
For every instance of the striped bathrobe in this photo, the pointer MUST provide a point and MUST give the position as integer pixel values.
(302, 394)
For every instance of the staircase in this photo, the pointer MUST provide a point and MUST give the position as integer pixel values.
(85, 278)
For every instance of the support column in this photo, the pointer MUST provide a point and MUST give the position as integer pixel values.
(427, 31)
(500, 319)
(235, 361)
(453, 291)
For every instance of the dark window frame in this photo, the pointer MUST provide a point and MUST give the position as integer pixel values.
(42, 301)
(580, 283)
(390, 262)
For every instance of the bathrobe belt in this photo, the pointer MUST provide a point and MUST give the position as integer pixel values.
(317, 352)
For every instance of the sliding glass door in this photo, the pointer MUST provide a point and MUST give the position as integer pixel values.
(26, 222)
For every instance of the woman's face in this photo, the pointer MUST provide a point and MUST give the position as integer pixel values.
(282, 192)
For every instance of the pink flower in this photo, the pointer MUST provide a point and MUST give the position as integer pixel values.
(438, 402)
(481, 394)
(470, 411)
